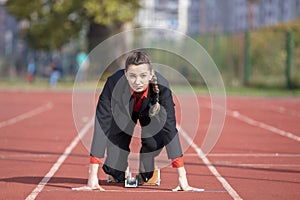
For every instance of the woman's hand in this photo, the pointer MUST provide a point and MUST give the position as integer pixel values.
(93, 182)
(183, 184)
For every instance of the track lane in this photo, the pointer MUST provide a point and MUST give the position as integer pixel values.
(255, 162)
(262, 177)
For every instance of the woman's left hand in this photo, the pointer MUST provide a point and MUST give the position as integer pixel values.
(188, 188)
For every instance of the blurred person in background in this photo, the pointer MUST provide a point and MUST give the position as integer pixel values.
(83, 63)
(56, 72)
(31, 69)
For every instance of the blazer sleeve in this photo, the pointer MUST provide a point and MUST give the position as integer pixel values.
(170, 132)
(103, 121)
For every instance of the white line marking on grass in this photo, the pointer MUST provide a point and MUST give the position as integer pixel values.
(59, 162)
(26, 115)
(210, 166)
(262, 125)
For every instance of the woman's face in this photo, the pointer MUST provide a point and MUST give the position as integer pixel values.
(138, 77)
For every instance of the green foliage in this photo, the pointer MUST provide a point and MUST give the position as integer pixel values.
(52, 23)
(268, 55)
(108, 11)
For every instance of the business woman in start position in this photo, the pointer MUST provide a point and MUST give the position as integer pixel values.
(135, 94)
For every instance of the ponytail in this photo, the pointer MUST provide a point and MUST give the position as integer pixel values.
(155, 108)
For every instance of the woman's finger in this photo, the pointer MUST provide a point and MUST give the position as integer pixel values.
(88, 188)
(178, 188)
(83, 188)
(189, 188)
(100, 188)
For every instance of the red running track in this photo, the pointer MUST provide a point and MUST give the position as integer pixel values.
(256, 157)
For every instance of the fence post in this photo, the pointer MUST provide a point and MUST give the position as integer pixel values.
(247, 58)
(289, 55)
(217, 50)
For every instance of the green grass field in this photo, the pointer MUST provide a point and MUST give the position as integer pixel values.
(67, 85)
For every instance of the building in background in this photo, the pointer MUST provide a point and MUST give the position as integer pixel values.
(272, 11)
(158, 13)
(214, 16)
(8, 36)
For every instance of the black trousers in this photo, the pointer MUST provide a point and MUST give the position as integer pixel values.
(118, 151)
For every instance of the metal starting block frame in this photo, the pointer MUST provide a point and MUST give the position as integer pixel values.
(133, 182)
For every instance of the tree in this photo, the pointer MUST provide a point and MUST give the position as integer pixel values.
(52, 23)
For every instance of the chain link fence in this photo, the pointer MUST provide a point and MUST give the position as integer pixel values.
(262, 58)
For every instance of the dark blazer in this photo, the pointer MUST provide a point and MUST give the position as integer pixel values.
(114, 114)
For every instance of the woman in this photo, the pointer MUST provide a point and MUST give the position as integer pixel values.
(135, 93)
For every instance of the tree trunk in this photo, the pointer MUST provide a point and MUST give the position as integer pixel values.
(97, 34)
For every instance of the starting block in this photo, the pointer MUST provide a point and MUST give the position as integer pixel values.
(154, 180)
(138, 180)
(133, 182)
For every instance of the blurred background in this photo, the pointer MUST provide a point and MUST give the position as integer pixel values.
(254, 43)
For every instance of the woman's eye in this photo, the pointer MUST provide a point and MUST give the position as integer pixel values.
(132, 76)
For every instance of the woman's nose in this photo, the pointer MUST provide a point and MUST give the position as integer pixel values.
(138, 80)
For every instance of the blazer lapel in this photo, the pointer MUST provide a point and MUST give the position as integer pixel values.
(131, 102)
(146, 101)
(127, 100)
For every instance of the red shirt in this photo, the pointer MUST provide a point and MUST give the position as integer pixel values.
(138, 99)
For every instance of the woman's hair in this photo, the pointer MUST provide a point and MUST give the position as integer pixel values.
(138, 58)
(156, 106)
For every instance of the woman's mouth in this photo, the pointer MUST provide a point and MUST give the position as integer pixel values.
(138, 87)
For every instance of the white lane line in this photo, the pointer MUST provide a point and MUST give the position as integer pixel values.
(27, 115)
(262, 125)
(154, 191)
(135, 190)
(59, 162)
(220, 164)
(210, 166)
(256, 123)
(253, 155)
(29, 155)
(285, 111)
(246, 155)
